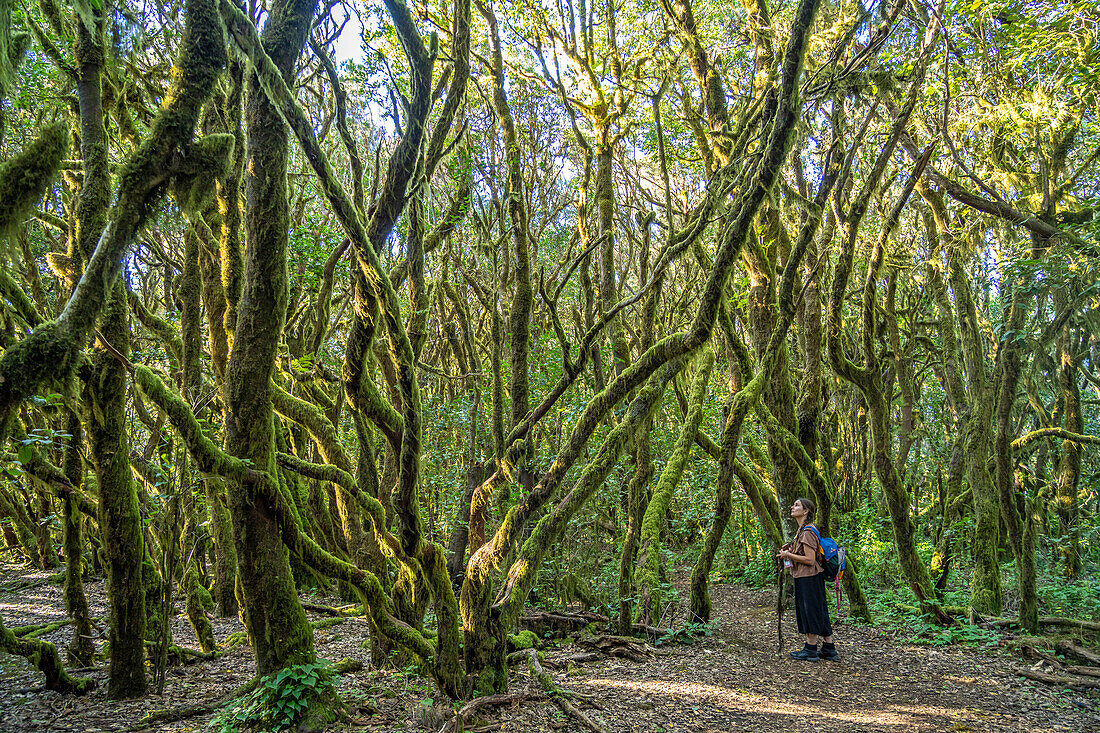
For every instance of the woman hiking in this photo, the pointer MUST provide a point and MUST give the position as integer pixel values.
(801, 558)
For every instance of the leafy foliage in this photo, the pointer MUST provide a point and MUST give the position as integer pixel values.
(282, 700)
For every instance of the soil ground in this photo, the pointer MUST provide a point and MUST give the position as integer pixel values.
(734, 680)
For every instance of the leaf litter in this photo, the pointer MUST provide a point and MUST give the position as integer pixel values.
(734, 680)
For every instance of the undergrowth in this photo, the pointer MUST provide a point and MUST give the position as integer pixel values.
(282, 701)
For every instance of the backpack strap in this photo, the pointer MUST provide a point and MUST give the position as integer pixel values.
(820, 552)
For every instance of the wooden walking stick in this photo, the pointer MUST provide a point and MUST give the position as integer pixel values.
(779, 585)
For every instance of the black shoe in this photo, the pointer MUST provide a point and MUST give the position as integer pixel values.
(829, 652)
(806, 654)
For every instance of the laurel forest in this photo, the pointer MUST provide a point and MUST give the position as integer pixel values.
(454, 318)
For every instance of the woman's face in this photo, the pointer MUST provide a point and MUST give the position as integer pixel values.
(797, 510)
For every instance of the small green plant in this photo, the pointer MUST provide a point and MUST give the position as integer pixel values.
(282, 700)
(689, 633)
(927, 633)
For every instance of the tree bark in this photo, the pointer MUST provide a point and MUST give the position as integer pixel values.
(276, 623)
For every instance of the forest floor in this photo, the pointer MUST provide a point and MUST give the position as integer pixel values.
(732, 680)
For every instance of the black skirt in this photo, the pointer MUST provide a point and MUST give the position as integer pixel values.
(811, 607)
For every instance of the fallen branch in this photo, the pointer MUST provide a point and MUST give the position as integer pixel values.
(172, 715)
(21, 586)
(583, 657)
(618, 646)
(1077, 684)
(458, 722)
(1033, 653)
(330, 611)
(1086, 671)
(1069, 649)
(1074, 623)
(576, 620)
(34, 631)
(347, 665)
(559, 695)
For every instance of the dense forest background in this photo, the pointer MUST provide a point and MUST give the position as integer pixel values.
(528, 303)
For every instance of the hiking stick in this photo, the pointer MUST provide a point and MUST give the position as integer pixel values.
(779, 601)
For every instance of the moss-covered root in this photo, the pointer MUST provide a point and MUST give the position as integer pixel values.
(43, 655)
(560, 696)
(646, 574)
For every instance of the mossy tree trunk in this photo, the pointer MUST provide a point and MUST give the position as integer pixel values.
(1068, 472)
(949, 373)
(276, 623)
(119, 513)
(105, 394)
(700, 604)
(519, 318)
(80, 650)
(985, 584)
(637, 493)
(1015, 505)
(650, 557)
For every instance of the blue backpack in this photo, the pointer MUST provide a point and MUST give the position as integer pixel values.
(830, 555)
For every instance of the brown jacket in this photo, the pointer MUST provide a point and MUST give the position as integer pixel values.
(806, 544)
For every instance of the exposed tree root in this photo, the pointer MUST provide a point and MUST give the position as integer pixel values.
(184, 655)
(1032, 653)
(512, 698)
(559, 695)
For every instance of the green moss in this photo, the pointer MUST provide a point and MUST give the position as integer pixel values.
(34, 631)
(208, 160)
(48, 353)
(25, 177)
(525, 639)
(326, 623)
(80, 649)
(235, 639)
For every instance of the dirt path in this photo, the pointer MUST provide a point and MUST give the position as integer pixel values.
(732, 681)
(738, 681)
